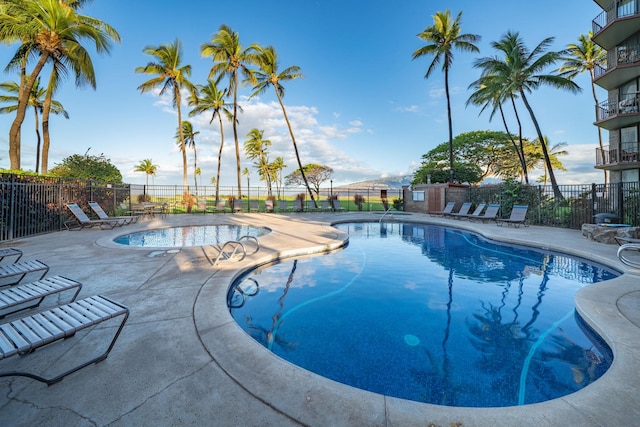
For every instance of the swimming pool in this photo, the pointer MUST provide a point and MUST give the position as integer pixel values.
(191, 235)
(429, 314)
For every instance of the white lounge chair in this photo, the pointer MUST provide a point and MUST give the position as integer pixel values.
(128, 219)
(82, 220)
(34, 293)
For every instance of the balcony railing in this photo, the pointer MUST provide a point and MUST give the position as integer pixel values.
(622, 55)
(616, 106)
(614, 157)
(617, 9)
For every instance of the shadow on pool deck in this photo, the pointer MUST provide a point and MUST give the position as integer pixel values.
(181, 359)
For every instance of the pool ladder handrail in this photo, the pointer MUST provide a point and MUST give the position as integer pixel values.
(385, 212)
(625, 260)
(236, 247)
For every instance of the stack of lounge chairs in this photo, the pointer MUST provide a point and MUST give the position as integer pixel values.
(24, 335)
(81, 220)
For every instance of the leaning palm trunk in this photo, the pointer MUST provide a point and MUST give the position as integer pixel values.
(523, 158)
(38, 140)
(295, 147)
(523, 164)
(554, 185)
(46, 112)
(235, 132)
(219, 158)
(23, 102)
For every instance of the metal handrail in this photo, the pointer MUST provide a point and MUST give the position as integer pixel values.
(625, 260)
(235, 247)
(385, 212)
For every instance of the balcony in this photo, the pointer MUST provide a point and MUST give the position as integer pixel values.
(616, 113)
(623, 64)
(619, 21)
(614, 159)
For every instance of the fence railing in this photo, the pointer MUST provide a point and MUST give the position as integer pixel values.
(31, 206)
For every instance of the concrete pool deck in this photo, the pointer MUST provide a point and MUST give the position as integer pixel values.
(182, 359)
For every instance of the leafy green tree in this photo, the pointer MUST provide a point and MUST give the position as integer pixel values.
(267, 75)
(50, 30)
(210, 98)
(315, 174)
(171, 75)
(437, 173)
(521, 71)
(147, 167)
(442, 38)
(586, 56)
(255, 147)
(35, 101)
(229, 58)
(86, 166)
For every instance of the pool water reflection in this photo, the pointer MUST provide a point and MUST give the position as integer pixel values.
(429, 314)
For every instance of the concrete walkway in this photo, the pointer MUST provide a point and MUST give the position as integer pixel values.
(182, 359)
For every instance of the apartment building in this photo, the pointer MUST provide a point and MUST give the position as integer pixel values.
(617, 30)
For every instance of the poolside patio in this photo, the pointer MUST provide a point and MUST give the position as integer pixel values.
(182, 360)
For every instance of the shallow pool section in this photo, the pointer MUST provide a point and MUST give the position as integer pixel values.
(429, 314)
(192, 235)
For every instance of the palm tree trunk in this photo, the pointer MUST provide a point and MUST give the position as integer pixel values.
(23, 102)
(219, 157)
(295, 148)
(523, 166)
(235, 132)
(524, 160)
(446, 89)
(37, 121)
(195, 168)
(554, 185)
(46, 111)
(182, 144)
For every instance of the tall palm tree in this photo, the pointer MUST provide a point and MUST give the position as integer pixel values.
(267, 75)
(230, 58)
(190, 141)
(211, 98)
(171, 75)
(581, 57)
(442, 38)
(147, 167)
(521, 71)
(255, 147)
(50, 30)
(35, 101)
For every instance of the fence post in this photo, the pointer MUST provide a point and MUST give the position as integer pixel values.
(621, 201)
(11, 218)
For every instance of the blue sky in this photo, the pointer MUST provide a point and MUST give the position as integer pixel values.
(362, 108)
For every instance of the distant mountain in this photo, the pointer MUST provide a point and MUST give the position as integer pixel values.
(392, 182)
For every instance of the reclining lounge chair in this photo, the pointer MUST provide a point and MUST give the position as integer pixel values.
(82, 220)
(25, 335)
(21, 269)
(16, 297)
(129, 219)
(447, 210)
(518, 217)
(489, 215)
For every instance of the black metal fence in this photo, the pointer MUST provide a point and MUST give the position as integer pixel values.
(36, 205)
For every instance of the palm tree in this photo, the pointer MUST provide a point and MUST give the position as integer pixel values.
(267, 75)
(211, 98)
(442, 38)
(256, 149)
(35, 101)
(581, 57)
(190, 141)
(229, 58)
(277, 166)
(520, 69)
(489, 91)
(147, 167)
(555, 151)
(51, 30)
(171, 75)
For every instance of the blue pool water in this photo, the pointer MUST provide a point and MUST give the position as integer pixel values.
(192, 235)
(429, 314)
